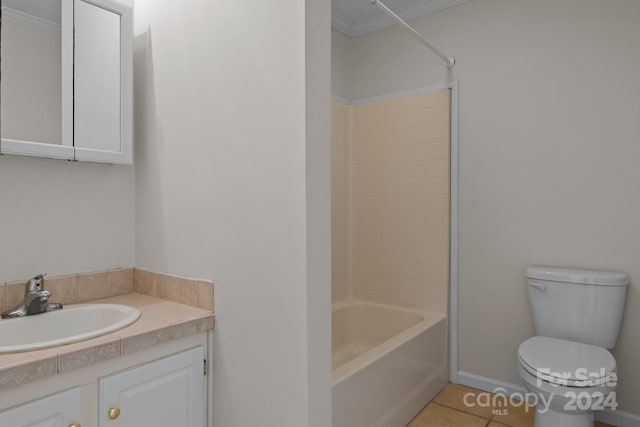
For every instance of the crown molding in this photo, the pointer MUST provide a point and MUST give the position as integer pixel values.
(341, 23)
(31, 21)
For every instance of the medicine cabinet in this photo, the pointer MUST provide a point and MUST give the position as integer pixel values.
(66, 82)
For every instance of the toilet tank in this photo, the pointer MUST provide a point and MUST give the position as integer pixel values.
(577, 305)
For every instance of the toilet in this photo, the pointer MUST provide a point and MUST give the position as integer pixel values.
(577, 316)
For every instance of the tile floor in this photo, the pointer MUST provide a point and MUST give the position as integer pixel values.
(448, 409)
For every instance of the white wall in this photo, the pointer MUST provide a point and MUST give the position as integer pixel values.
(549, 107)
(62, 217)
(232, 184)
(339, 63)
(57, 217)
(318, 210)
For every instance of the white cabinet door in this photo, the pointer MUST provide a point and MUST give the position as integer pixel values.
(103, 81)
(59, 410)
(67, 79)
(166, 393)
(36, 70)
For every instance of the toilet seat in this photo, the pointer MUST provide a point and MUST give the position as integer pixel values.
(567, 363)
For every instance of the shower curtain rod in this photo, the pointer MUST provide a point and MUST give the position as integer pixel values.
(449, 61)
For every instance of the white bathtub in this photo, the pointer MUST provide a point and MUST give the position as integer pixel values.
(388, 362)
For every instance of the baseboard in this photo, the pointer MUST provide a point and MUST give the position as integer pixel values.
(619, 418)
(615, 418)
(488, 384)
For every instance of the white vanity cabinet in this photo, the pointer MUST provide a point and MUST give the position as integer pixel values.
(60, 410)
(168, 392)
(163, 386)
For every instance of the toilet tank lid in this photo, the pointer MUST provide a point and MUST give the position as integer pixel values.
(574, 275)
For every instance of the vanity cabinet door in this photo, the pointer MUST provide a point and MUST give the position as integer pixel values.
(103, 81)
(60, 410)
(169, 392)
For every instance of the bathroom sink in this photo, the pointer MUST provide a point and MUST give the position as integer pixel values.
(71, 324)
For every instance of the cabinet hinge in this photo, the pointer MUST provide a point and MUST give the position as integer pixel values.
(204, 367)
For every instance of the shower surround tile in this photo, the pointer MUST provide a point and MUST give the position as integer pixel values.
(391, 185)
(340, 199)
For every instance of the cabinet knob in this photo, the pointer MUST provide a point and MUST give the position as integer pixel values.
(75, 425)
(114, 413)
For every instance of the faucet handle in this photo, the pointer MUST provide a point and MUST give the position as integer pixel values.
(35, 284)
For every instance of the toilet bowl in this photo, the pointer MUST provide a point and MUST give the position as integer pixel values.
(571, 380)
(577, 316)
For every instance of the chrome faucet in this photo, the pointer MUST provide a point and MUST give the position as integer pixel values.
(36, 300)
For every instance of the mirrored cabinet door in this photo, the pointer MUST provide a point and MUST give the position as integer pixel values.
(103, 73)
(36, 80)
(66, 79)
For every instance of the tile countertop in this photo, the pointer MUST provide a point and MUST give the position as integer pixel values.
(160, 321)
